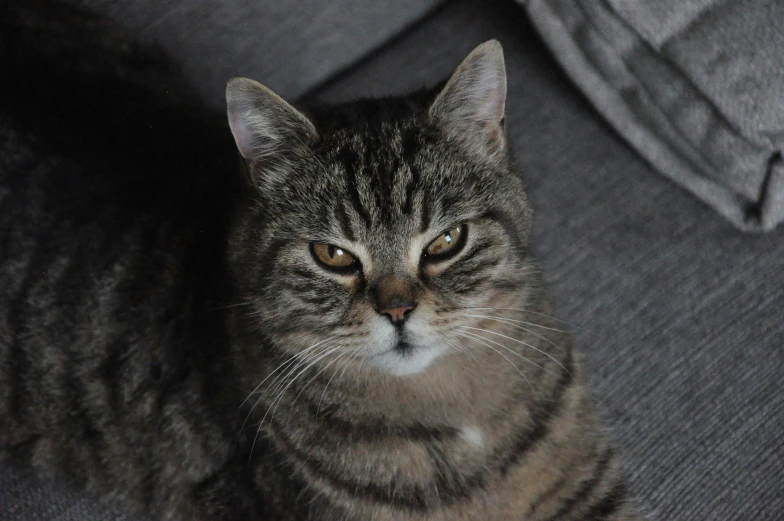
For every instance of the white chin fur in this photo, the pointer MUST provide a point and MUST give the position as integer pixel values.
(397, 364)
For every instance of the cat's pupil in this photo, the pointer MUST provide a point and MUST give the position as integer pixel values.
(448, 238)
(331, 251)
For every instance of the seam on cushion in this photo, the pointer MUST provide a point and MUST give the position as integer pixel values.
(698, 17)
(700, 159)
(675, 68)
(669, 162)
(760, 211)
(655, 44)
(760, 136)
(639, 85)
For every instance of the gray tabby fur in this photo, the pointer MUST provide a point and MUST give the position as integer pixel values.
(186, 353)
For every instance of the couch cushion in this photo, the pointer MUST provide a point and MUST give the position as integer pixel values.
(24, 498)
(289, 46)
(679, 313)
(697, 87)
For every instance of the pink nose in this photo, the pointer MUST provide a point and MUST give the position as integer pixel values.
(398, 315)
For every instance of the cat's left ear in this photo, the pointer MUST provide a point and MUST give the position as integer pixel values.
(263, 124)
(471, 105)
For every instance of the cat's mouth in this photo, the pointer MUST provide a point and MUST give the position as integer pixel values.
(404, 348)
(407, 357)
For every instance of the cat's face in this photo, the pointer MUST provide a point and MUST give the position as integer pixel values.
(380, 231)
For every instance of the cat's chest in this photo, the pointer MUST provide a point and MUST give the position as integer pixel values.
(394, 475)
(433, 482)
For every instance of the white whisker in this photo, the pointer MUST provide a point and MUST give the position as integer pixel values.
(519, 322)
(461, 349)
(303, 359)
(513, 323)
(341, 355)
(290, 359)
(343, 365)
(236, 305)
(359, 369)
(277, 399)
(532, 312)
(510, 350)
(482, 340)
(288, 362)
(520, 342)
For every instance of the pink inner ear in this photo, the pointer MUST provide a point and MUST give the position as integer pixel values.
(494, 107)
(491, 112)
(494, 131)
(242, 136)
(471, 106)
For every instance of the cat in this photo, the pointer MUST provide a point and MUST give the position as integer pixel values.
(350, 328)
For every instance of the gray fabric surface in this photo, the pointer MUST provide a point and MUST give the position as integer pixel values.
(24, 498)
(662, 20)
(290, 46)
(697, 87)
(680, 314)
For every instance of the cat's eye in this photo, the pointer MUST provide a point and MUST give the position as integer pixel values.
(333, 257)
(447, 244)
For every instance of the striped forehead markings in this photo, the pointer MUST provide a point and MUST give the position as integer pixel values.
(350, 161)
(380, 161)
(409, 147)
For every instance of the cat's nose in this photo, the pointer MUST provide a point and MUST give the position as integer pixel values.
(398, 314)
(395, 298)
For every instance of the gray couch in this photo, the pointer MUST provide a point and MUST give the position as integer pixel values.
(680, 313)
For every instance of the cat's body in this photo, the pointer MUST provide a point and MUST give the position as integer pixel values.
(142, 312)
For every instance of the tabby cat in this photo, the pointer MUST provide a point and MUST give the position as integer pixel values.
(351, 329)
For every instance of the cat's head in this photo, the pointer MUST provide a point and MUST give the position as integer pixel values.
(380, 229)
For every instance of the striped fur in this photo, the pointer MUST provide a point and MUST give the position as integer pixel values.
(195, 361)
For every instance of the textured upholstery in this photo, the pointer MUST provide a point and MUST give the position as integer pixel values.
(24, 498)
(292, 45)
(696, 86)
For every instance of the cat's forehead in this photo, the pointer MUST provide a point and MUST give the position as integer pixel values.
(377, 152)
(380, 182)
(385, 177)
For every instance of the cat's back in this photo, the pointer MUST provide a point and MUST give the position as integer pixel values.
(114, 201)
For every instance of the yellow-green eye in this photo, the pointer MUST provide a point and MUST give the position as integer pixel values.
(447, 244)
(332, 256)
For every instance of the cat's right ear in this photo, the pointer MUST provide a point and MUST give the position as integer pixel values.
(263, 124)
(470, 108)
